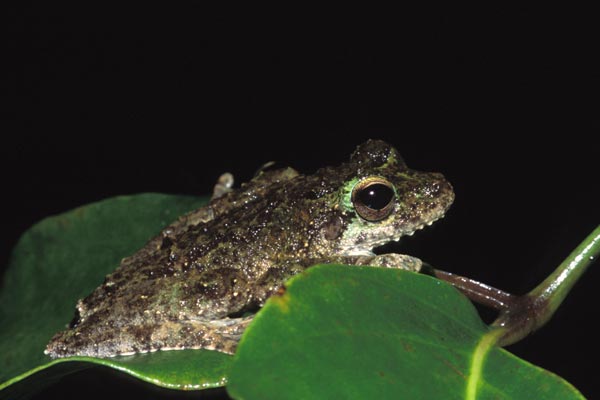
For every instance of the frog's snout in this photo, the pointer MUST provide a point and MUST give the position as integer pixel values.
(439, 191)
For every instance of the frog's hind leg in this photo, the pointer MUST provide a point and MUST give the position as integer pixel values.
(228, 332)
(221, 335)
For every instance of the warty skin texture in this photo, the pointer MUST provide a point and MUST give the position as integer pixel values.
(194, 285)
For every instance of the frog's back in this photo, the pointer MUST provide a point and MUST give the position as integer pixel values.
(199, 275)
(191, 286)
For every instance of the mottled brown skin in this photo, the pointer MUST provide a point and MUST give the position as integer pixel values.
(196, 284)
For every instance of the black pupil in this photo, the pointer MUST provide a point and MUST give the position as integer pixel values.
(376, 196)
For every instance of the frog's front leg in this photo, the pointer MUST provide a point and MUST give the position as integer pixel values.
(390, 260)
(393, 260)
(224, 185)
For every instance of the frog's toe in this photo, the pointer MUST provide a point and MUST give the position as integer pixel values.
(394, 260)
(224, 185)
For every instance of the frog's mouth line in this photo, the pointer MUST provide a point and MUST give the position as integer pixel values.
(399, 246)
(407, 233)
(384, 244)
(418, 228)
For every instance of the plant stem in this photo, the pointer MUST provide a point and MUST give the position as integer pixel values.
(535, 308)
(521, 315)
(478, 292)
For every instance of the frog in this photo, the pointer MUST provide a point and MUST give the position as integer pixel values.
(201, 280)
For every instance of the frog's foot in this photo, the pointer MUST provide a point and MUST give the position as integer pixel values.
(390, 260)
(394, 260)
(227, 333)
(223, 185)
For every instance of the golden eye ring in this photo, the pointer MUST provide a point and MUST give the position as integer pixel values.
(373, 198)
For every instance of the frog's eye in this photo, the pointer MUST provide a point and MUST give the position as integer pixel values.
(373, 198)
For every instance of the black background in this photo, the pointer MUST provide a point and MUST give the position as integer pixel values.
(102, 102)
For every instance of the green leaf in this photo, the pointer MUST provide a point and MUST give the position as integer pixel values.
(363, 332)
(62, 259)
(336, 332)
